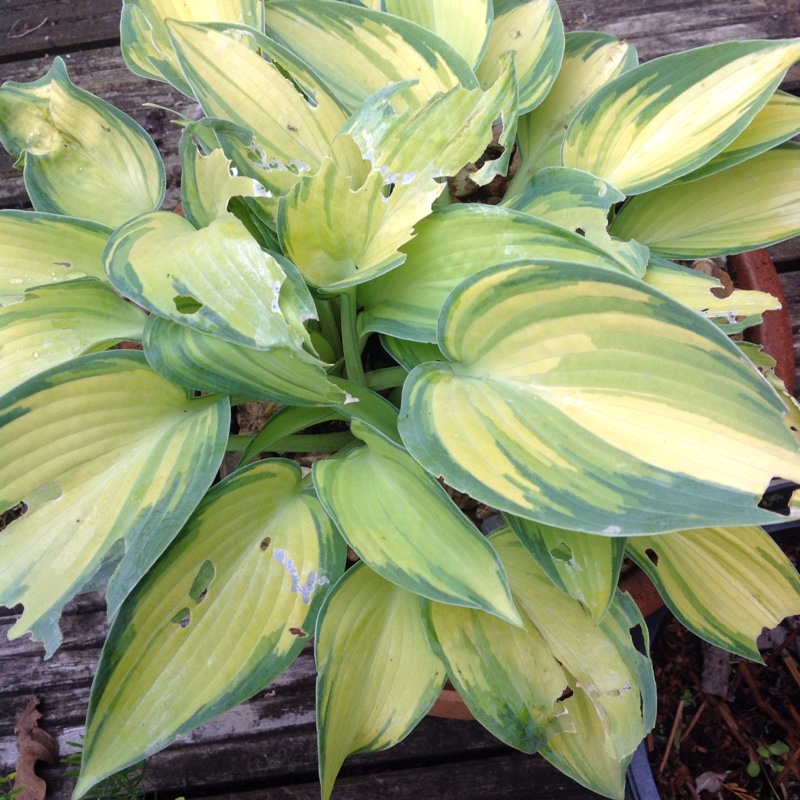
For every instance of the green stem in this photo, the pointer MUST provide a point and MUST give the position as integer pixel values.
(328, 326)
(352, 351)
(388, 378)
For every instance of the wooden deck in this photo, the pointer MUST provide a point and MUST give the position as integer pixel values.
(266, 749)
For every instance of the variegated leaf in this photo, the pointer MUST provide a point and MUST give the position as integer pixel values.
(216, 279)
(583, 565)
(514, 679)
(361, 51)
(37, 248)
(421, 142)
(402, 523)
(671, 115)
(409, 354)
(340, 233)
(57, 323)
(706, 295)
(777, 122)
(584, 399)
(451, 245)
(294, 121)
(747, 206)
(377, 673)
(580, 202)
(131, 458)
(82, 157)
(208, 182)
(532, 32)
(204, 362)
(590, 60)
(228, 607)
(724, 584)
(146, 45)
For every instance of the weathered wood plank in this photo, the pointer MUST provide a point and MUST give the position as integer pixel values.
(791, 287)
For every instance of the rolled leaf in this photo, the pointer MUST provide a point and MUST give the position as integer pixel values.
(464, 24)
(204, 362)
(57, 323)
(750, 205)
(532, 32)
(216, 279)
(360, 50)
(82, 157)
(146, 46)
(724, 584)
(37, 248)
(132, 457)
(451, 245)
(377, 673)
(409, 354)
(590, 60)
(514, 679)
(403, 524)
(584, 566)
(227, 608)
(671, 115)
(586, 400)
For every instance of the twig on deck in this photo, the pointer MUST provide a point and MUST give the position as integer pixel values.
(673, 731)
(14, 34)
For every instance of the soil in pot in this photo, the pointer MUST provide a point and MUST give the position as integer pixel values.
(727, 727)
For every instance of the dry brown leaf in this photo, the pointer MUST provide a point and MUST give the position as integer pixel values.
(33, 744)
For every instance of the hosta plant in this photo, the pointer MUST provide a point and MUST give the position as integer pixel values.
(550, 356)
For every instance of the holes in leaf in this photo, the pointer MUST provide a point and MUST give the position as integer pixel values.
(202, 581)
(297, 632)
(182, 618)
(15, 512)
(565, 695)
(562, 552)
(186, 305)
(580, 231)
(652, 555)
(265, 543)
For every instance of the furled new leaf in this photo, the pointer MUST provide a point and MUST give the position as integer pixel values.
(583, 565)
(463, 24)
(514, 679)
(671, 115)
(361, 51)
(580, 202)
(207, 363)
(749, 205)
(146, 46)
(402, 523)
(227, 608)
(532, 32)
(377, 673)
(56, 323)
(725, 584)
(590, 60)
(410, 354)
(109, 459)
(294, 121)
(584, 399)
(216, 279)
(82, 157)
(38, 248)
(452, 244)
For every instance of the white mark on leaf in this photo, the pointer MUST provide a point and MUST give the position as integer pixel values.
(304, 589)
